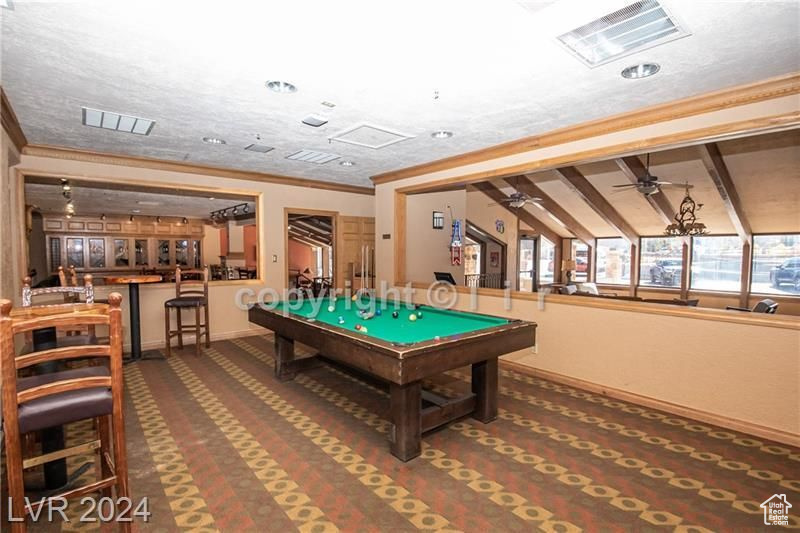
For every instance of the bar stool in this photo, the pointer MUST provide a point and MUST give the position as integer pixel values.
(53, 399)
(189, 294)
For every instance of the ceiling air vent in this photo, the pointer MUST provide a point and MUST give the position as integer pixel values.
(260, 148)
(369, 136)
(116, 121)
(310, 156)
(634, 28)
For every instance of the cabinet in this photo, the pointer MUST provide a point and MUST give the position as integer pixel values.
(121, 245)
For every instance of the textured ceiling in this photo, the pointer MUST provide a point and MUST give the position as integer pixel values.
(198, 69)
(94, 200)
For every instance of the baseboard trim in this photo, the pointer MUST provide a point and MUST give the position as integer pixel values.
(734, 424)
(189, 339)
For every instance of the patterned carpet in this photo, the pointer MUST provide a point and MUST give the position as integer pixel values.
(217, 444)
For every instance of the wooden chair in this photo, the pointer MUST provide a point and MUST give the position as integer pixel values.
(57, 398)
(189, 294)
(72, 294)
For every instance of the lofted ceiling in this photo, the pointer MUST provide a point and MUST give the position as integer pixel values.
(765, 170)
(95, 199)
(489, 71)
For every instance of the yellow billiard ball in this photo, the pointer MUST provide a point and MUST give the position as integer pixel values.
(412, 317)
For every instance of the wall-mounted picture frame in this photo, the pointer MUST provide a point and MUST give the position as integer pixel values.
(438, 220)
(494, 259)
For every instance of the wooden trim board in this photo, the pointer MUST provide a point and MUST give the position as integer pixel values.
(694, 105)
(680, 410)
(70, 154)
(10, 122)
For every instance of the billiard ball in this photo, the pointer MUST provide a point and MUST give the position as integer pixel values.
(331, 309)
(378, 312)
(341, 320)
(412, 317)
(395, 314)
(359, 327)
(367, 316)
(363, 329)
(419, 314)
(355, 297)
(436, 338)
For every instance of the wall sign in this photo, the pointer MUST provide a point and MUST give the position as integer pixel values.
(500, 226)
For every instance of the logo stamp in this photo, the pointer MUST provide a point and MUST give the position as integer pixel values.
(776, 510)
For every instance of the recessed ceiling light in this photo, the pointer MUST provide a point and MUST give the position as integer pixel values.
(347, 163)
(642, 70)
(281, 86)
(442, 134)
(213, 140)
(211, 198)
(136, 210)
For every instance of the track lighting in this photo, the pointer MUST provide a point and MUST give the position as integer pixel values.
(103, 216)
(185, 220)
(131, 218)
(158, 219)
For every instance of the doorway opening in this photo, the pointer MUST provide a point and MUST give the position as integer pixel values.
(310, 252)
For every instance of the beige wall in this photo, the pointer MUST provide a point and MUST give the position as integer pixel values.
(210, 245)
(432, 246)
(226, 319)
(483, 215)
(743, 372)
(12, 219)
(737, 372)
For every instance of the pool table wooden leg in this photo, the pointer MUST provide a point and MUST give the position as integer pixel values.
(406, 410)
(484, 386)
(284, 356)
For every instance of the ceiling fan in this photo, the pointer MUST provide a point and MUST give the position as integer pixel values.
(648, 184)
(518, 199)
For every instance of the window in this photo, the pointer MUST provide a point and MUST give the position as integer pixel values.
(547, 255)
(662, 261)
(613, 261)
(527, 255)
(776, 264)
(716, 263)
(580, 253)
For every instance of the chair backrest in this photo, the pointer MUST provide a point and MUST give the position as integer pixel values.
(35, 318)
(192, 282)
(766, 306)
(589, 287)
(568, 289)
(87, 291)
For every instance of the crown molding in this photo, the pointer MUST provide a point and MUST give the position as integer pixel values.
(71, 154)
(694, 105)
(10, 123)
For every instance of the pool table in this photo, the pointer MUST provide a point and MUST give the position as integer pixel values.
(401, 352)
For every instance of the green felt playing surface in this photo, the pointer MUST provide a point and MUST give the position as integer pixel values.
(434, 322)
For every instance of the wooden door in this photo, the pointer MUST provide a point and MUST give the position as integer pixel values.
(354, 233)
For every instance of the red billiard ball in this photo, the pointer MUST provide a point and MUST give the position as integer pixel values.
(358, 326)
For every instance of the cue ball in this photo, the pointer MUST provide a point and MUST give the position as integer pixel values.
(331, 309)
(395, 314)
(363, 329)
(412, 318)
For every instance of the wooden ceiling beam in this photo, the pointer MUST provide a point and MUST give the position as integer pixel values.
(311, 239)
(576, 181)
(634, 170)
(525, 185)
(309, 228)
(524, 216)
(718, 171)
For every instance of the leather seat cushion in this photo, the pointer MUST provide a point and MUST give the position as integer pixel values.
(64, 407)
(186, 301)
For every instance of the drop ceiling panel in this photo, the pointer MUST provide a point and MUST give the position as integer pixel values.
(766, 173)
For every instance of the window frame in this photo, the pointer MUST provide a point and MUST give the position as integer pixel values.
(689, 287)
(771, 295)
(595, 262)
